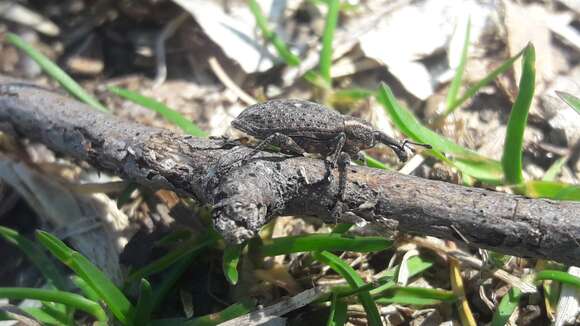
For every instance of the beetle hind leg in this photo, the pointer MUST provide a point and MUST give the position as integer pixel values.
(334, 156)
(286, 144)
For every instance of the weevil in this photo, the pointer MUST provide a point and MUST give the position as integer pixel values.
(299, 126)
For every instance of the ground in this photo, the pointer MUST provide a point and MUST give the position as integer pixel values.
(209, 60)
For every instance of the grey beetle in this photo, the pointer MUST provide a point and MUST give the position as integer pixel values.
(298, 126)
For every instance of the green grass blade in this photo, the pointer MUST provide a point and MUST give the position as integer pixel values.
(174, 237)
(470, 92)
(354, 280)
(337, 312)
(231, 312)
(101, 284)
(69, 299)
(569, 192)
(194, 246)
(468, 161)
(570, 99)
(507, 305)
(374, 163)
(456, 83)
(231, 258)
(315, 242)
(512, 154)
(290, 58)
(416, 265)
(116, 301)
(555, 169)
(484, 169)
(559, 276)
(341, 228)
(314, 78)
(55, 72)
(551, 190)
(37, 256)
(350, 95)
(85, 288)
(552, 291)
(45, 317)
(415, 296)
(410, 125)
(56, 247)
(344, 6)
(327, 38)
(168, 114)
(170, 278)
(144, 304)
(60, 311)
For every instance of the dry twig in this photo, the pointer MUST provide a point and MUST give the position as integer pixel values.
(245, 197)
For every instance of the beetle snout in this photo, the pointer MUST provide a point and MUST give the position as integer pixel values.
(401, 153)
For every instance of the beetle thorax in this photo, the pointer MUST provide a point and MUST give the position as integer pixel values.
(359, 133)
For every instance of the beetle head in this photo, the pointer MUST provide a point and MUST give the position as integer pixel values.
(359, 132)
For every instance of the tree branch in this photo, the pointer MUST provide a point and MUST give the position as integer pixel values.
(245, 197)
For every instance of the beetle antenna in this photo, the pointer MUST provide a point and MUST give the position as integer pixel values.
(406, 142)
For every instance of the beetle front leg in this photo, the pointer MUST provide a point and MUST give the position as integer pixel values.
(343, 163)
(285, 143)
(333, 157)
(340, 140)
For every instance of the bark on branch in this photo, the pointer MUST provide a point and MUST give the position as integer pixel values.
(246, 196)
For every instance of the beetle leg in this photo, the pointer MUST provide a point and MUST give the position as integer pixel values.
(285, 143)
(359, 156)
(343, 163)
(340, 140)
(333, 158)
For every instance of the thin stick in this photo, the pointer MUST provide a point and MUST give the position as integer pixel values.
(229, 83)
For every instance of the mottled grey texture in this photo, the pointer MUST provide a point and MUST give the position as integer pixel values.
(246, 196)
(312, 127)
